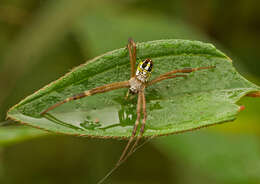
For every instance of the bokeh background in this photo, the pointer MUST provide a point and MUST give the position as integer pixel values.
(42, 40)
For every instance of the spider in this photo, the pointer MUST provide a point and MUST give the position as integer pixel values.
(139, 80)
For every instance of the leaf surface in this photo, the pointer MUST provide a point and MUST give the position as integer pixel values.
(202, 99)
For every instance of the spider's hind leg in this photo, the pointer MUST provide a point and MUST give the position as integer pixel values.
(138, 112)
(140, 135)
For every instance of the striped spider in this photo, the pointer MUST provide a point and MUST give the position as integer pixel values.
(137, 83)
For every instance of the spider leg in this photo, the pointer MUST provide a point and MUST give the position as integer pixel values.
(122, 158)
(186, 70)
(160, 78)
(138, 112)
(169, 75)
(101, 89)
(142, 126)
(132, 54)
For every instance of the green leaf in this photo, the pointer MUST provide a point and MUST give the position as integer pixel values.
(204, 98)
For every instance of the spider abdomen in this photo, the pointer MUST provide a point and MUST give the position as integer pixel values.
(135, 85)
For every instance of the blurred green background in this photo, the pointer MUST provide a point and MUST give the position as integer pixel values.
(42, 40)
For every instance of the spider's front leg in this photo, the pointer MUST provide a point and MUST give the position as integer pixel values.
(132, 55)
(131, 46)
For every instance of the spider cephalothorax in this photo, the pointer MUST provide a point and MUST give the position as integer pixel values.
(136, 84)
